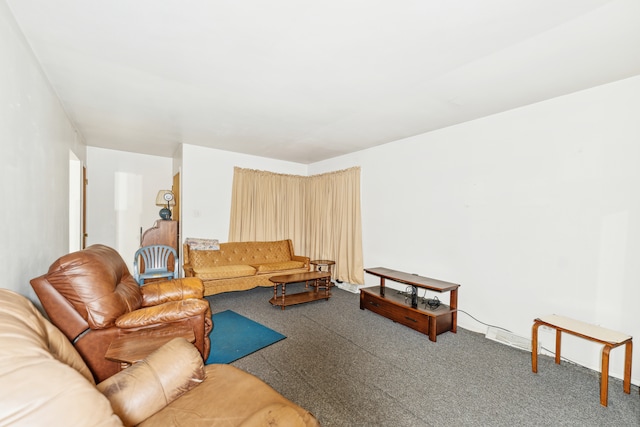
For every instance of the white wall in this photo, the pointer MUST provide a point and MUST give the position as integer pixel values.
(207, 177)
(534, 211)
(35, 139)
(121, 197)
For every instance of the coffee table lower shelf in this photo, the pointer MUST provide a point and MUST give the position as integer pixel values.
(299, 298)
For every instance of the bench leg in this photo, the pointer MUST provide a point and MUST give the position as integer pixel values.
(534, 347)
(558, 345)
(604, 373)
(627, 367)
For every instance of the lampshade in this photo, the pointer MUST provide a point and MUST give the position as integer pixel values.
(164, 198)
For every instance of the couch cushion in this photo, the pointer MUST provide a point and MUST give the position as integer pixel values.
(200, 259)
(224, 272)
(278, 266)
(42, 378)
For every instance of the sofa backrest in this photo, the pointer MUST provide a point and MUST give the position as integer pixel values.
(95, 282)
(241, 253)
(43, 379)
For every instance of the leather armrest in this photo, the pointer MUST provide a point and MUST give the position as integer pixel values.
(156, 293)
(145, 388)
(164, 313)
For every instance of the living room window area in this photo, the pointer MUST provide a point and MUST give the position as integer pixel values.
(319, 213)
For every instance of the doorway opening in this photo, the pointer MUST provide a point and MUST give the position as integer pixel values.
(76, 186)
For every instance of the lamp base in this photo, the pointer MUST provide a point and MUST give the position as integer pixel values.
(165, 213)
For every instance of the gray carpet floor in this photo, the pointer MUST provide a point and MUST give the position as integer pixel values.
(352, 367)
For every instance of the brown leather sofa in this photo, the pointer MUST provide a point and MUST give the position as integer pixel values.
(239, 266)
(44, 381)
(92, 298)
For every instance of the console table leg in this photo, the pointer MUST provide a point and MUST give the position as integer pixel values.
(432, 329)
(453, 303)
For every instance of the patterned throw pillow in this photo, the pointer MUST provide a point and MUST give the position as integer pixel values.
(202, 244)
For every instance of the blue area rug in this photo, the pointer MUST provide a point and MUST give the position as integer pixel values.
(234, 336)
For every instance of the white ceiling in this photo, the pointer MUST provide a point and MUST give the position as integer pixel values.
(304, 80)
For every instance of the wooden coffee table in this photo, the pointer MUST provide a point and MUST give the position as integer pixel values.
(316, 279)
(134, 346)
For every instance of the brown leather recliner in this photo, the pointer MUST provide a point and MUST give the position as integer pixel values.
(92, 298)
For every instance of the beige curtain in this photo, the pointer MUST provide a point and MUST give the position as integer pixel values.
(320, 214)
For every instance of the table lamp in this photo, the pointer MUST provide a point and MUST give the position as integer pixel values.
(165, 199)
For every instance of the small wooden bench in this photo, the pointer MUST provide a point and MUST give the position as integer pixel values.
(609, 338)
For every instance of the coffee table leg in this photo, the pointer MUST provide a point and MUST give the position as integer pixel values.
(275, 292)
(283, 291)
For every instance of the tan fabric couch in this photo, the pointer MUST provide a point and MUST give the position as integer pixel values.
(238, 266)
(44, 381)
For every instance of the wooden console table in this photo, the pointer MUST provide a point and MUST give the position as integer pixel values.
(406, 308)
(317, 279)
